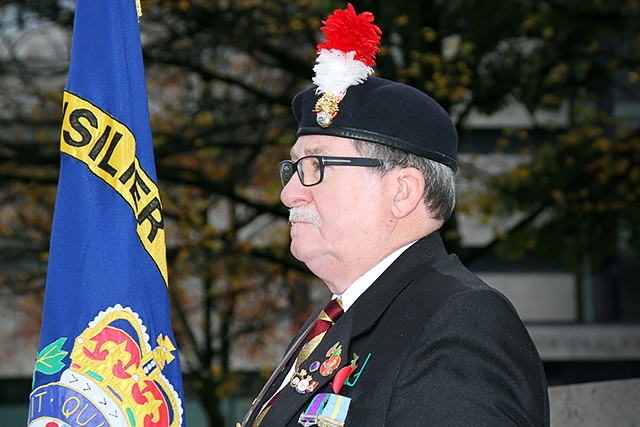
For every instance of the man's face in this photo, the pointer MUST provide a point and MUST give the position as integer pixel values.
(336, 224)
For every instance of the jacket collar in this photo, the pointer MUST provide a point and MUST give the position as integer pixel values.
(357, 320)
(371, 304)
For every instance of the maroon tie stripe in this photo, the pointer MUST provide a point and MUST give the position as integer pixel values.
(327, 317)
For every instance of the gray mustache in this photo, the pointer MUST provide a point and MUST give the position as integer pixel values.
(304, 215)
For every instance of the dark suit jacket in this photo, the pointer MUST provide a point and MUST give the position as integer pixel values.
(443, 348)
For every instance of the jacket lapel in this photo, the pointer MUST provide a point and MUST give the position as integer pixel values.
(291, 403)
(374, 302)
(357, 320)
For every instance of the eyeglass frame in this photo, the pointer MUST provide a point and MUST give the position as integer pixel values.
(322, 162)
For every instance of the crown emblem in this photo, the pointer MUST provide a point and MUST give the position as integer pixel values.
(114, 352)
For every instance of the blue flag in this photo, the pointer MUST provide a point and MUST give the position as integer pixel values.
(107, 354)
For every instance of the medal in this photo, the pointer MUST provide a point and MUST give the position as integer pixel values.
(303, 383)
(333, 360)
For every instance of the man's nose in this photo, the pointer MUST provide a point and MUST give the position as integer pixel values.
(294, 193)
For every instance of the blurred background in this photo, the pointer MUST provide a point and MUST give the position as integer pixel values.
(546, 99)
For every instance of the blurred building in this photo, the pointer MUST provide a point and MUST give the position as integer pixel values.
(586, 325)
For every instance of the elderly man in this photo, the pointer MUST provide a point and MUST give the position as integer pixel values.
(411, 337)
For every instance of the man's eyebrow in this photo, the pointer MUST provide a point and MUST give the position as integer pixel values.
(314, 151)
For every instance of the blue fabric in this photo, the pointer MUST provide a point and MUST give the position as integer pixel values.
(98, 263)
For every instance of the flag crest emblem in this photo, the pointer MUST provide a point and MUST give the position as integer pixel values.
(114, 378)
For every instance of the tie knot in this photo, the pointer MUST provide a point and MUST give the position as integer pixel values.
(333, 310)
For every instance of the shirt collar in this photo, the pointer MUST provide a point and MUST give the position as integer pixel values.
(363, 283)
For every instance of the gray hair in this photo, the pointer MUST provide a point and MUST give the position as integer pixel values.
(440, 188)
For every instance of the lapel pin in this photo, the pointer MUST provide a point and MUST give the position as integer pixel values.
(333, 360)
(314, 366)
(343, 374)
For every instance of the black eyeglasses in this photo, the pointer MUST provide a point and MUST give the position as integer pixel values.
(311, 168)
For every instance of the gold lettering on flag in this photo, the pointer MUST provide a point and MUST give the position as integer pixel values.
(108, 148)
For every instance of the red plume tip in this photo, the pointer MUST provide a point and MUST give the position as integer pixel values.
(346, 31)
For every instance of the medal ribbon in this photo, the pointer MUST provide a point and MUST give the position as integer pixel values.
(335, 411)
(326, 410)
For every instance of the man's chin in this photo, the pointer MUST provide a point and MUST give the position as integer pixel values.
(300, 248)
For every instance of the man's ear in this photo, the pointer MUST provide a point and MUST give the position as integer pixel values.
(409, 187)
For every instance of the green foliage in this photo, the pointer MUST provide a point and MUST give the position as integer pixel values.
(585, 183)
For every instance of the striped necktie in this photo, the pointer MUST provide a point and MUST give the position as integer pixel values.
(327, 317)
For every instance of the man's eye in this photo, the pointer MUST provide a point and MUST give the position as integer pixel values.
(315, 164)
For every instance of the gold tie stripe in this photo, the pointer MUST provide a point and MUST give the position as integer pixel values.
(328, 316)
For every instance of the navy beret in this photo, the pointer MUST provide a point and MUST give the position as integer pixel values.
(385, 112)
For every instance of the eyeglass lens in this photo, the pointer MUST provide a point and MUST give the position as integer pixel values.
(309, 170)
(287, 169)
